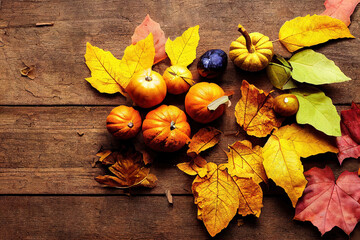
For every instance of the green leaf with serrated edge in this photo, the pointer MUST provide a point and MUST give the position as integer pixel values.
(317, 110)
(314, 68)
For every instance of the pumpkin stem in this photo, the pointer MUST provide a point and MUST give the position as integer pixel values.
(172, 125)
(148, 78)
(249, 45)
(130, 124)
(216, 103)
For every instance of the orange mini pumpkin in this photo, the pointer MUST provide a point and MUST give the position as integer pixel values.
(166, 129)
(147, 88)
(200, 99)
(123, 122)
(178, 79)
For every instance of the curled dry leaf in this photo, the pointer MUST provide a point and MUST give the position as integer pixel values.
(28, 70)
(254, 111)
(348, 143)
(182, 51)
(327, 203)
(340, 9)
(143, 30)
(219, 197)
(311, 30)
(128, 169)
(204, 139)
(195, 167)
(246, 161)
(282, 154)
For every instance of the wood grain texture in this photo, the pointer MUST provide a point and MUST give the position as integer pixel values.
(52, 127)
(50, 150)
(69, 217)
(58, 51)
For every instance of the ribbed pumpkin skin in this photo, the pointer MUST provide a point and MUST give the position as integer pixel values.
(199, 97)
(147, 94)
(157, 131)
(255, 61)
(176, 83)
(123, 122)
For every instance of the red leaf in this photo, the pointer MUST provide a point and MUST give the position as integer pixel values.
(143, 30)
(347, 148)
(351, 122)
(328, 204)
(348, 143)
(340, 9)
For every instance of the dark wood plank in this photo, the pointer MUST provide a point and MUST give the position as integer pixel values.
(121, 217)
(42, 152)
(57, 51)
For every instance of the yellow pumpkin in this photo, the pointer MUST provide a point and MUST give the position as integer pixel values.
(178, 79)
(251, 52)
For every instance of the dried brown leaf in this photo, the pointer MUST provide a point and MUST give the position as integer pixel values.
(204, 139)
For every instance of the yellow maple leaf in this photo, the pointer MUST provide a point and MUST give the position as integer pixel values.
(282, 154)
(311, 30)
(204, 139)
(245, 161)
(220, 196)
(182, 51)
(254, 111)
(136, 58)
(105, 70)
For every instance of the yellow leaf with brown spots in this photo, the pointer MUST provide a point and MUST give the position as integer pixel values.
(217, 197)
(246, 161)
(204, 139)
(220, 196)
(254, 111)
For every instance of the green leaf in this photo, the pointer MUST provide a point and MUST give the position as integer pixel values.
(314, 68)
(317, 110)
(279, 75)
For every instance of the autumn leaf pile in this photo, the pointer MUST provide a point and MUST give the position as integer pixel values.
(223, 190)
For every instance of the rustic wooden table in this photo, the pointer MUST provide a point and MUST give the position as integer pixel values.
(51, 127)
